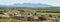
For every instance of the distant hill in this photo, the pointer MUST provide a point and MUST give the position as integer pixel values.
(28, 5)
(31, 5)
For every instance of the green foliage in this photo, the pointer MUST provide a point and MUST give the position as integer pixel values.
(1, 12)
(30, 10)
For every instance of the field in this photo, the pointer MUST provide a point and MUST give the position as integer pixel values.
(26, 11)
(15, 20)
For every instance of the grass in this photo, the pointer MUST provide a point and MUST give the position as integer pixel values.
(53, 14)
(15, 20)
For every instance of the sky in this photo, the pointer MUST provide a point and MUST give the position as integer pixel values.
(49, 2)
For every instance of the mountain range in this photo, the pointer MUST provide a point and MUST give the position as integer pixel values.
(26, 5)
(31, 5)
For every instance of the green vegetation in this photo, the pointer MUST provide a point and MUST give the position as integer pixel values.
(27, 10)
(30, 10)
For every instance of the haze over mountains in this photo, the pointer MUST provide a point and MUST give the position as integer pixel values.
(31, 5)
(26, 5)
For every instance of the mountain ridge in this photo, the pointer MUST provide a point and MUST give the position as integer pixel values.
(31, 5)
(27, 5)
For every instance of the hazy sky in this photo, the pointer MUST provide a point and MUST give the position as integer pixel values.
(49, 2)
